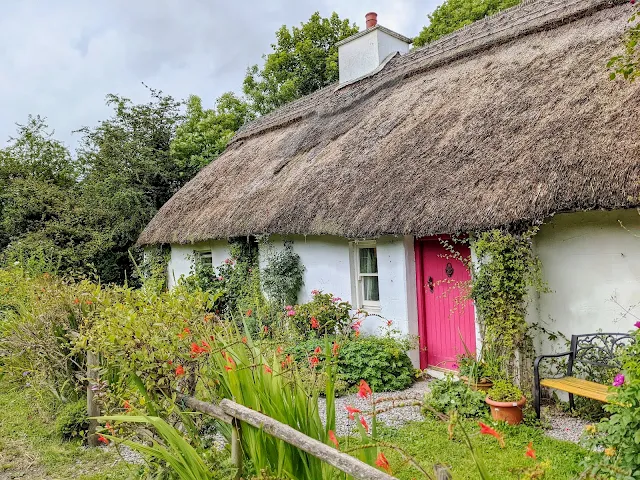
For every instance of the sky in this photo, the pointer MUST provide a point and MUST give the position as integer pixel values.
(59, 59)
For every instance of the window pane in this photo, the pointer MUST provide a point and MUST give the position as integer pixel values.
(370, 287)
(368, 260)
(205, 259)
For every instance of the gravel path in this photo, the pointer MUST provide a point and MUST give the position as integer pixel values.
(565, 427)
(394, 417)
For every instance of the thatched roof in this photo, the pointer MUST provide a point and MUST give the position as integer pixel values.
(511, 119)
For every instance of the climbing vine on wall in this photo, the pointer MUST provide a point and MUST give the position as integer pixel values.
(282, 277)
(507, 270)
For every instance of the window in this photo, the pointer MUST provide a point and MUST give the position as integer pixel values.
(366, 275)
(204, 258)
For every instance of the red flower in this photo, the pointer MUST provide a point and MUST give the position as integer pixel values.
(314, 323)
(265, 329)
(205, 346)
(351, 411)
(279, 350)
(195, 349)
(389, 323)
(179, 370)
(364, 390)
(267, 369)
(382, 462)
(127, 405)
(487, 430)
(334, 349)
(249, 312)
(186, 331)
(244, 339)
(317, 350)
(364, 424)
(76, 301)
(101, 439)
(230, 364)
(314, 361)
(334, 440)
(89, 302)
(207, 318)
(170, 362)
(530, 451)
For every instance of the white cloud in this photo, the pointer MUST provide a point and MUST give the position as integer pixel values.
(59, 59)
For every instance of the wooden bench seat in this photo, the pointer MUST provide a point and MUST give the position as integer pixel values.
(578, 386)
(595, 350)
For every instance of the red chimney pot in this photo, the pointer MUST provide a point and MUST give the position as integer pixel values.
(372, 19)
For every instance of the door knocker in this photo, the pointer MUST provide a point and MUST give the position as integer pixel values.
(430, 284)
(449, 270)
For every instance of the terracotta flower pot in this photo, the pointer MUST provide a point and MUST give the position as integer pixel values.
(510, 412)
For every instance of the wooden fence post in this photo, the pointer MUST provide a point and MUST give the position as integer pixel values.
(92, 407)
(236, 448)
(442, 472)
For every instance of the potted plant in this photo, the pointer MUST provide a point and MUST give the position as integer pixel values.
(506, 402)
(474, 372)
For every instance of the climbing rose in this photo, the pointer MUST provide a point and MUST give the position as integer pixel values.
(364, 390)
(336, 299)
(530, 451)
(332, 437)
(315, 292)
(314, 323)
(102, 439)
(619, 380)
(291, 313)
(382, 462)
(179, 370)
(637, 324)
(364, 424)
(351, 411)
(487, 430)
(288, 307)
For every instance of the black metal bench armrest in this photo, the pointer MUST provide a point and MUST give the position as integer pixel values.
(536, 363)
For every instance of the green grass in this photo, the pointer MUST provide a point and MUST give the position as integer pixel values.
(428, 442)
(30, 449)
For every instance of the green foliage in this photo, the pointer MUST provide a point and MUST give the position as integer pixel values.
(331, 314)
(204, 134)
(615, 441)
(504, 391)
(626, 64)
(455, 14)
(506, 272)
(381, 361)
(282, 276)
(72, 420)
(446, 395)
(304, 59)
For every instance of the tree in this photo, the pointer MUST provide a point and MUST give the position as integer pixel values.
(304, 59)
(455, 14)
(204, 134)
(627, 63)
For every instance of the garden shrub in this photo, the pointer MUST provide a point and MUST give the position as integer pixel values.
(72, 420)
(448, 394)
(282, 276)
(330, 315)
(381, 361)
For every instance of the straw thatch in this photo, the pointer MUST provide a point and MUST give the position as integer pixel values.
(510, 120)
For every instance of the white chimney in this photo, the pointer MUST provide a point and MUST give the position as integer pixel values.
(365, 51)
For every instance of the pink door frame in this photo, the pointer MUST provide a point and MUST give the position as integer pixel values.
(421, 284)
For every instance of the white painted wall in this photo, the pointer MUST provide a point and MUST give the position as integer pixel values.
(590, 262)
(365, 53)
(182, 258)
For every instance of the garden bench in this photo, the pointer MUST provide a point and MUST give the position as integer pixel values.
(599, 350)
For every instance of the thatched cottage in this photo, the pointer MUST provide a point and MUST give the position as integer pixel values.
(509, 121)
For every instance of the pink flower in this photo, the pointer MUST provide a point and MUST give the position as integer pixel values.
(315, 292)
(288, 307)
(291, 313)
(220, 279)
(336, 299)
(637, 324)
(619, 380)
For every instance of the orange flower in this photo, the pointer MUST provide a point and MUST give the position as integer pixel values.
(102, 439)
(364, 424)
(351, 411)
(334, 350)
(76, 301)
(314, 361)
(89, 302)
(267, 369)
(195, 349)
(279, 350)
(186, 331)
(364, 390)
(249, 312)
(487, 430)
(530, 451)
(110, 428)
(317, 350)
(127, 405)
(179, 370)
(230, 364)
(244, 339)
(205, 346)
(334, 440)
(207, 318)
(314, 323)
(170, 362)
(383, 463)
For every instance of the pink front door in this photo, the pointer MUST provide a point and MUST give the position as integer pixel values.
(445, 317)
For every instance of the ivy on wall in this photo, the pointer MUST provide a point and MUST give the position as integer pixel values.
(282, 277)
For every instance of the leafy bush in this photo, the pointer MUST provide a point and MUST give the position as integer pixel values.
(614, 443)
(282, 277)
(324, 315)
(504, 391)
(381, 361)
(448, 394)
(72, 421)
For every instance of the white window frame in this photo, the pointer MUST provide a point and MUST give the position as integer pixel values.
(368, 305)
(200, 255)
